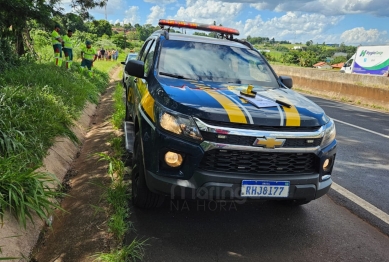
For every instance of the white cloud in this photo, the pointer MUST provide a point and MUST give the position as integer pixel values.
(131, 15)
(156, 13)
(293, 26)
(359, 35)
(208, 11)
(326, 7)
(161, 2)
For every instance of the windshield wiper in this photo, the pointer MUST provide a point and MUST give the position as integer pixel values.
(173, 75)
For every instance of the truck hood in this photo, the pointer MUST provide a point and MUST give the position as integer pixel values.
(222, 102)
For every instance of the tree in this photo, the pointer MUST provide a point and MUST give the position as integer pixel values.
(128, 26)
(120, 40)
(99, 27)
(339, 59)
(145, 31)
(19, 17)
(82, 6)
(73, 22)
(14, 16)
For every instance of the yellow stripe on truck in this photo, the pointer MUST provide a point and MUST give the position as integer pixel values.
(292, 116)
(235, 114)
(147, 103)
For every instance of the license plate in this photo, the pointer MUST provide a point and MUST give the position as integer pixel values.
(260, 188)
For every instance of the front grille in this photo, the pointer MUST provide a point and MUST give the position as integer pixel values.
(258, 162)
(262, 128)
(228, 139)
(249, 140)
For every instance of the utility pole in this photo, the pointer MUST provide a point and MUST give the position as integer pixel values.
(105, 10)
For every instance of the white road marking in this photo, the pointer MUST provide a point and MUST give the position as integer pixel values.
(361, 128)
(362, 203)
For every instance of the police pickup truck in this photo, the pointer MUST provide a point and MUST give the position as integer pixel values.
(208, 118)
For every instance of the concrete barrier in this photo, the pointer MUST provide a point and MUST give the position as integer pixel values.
(367, 88)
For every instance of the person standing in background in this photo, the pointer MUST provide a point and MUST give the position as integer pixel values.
(115, 54)
(68, 49)
(88, 55)
(57, 45)
(102, 53)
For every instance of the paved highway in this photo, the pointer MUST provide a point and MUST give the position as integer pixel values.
(362, 164)
(323, 230)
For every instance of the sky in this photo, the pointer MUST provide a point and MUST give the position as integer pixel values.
(352, 22)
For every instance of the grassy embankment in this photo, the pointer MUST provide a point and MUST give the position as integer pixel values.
(38, 102)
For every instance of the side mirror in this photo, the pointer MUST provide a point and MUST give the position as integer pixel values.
(287, 81)
(123, 63)
(135, 68)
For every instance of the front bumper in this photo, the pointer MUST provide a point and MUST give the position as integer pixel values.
(210, 185)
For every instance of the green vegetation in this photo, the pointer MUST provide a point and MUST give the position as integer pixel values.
(117, 193)
(304, 56)
(38, 102)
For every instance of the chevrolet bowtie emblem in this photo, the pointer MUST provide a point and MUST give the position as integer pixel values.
(269, 142)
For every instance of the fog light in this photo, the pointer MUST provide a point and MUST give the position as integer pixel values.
(326, 164)
(173, 159)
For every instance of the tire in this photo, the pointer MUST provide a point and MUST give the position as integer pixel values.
(142, 197)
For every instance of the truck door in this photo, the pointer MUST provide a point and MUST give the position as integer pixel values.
(347, 67)
(140, 85)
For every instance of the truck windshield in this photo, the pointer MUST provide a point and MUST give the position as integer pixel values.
(213, 62)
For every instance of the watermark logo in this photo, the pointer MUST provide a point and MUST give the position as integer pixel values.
(203, 205)
(211, 198)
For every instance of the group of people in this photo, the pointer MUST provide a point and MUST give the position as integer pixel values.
(108, 55)
(65, 44)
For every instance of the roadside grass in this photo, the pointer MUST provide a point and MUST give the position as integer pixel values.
(117, 194)
(120, 108)
(38, 102)
(133, 252)
(106, 66)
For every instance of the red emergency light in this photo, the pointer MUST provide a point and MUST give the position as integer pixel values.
(203, 27)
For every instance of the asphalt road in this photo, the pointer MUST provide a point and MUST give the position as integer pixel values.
(362, 161)
(264, 231)
(323, 230)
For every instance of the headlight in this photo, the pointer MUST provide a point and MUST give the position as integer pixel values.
(329, 133)
(177, 123)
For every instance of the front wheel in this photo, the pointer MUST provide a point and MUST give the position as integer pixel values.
(141, 195)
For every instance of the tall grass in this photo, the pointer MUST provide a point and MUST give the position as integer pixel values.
(38, 102)
(119, 113)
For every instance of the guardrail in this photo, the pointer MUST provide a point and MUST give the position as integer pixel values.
(372, 89)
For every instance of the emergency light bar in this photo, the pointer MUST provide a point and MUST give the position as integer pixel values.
(203, 27)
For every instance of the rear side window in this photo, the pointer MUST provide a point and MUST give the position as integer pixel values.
(144, 50)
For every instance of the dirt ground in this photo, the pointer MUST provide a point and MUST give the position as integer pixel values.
(81, 232)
